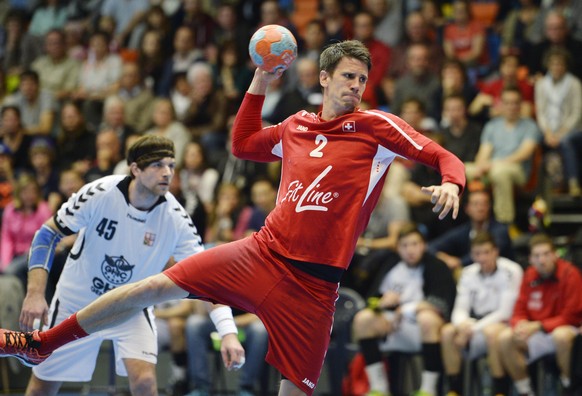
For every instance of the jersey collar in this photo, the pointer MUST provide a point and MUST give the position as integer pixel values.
(123, 186)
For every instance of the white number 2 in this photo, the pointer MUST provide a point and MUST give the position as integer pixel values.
(321, 141)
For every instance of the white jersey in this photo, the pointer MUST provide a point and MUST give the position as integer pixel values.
(117, 243)
(405, 280)
(487, 298)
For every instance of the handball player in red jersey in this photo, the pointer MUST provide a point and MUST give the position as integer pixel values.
(333, 169)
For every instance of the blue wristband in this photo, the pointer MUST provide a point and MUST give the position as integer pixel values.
(42, 249)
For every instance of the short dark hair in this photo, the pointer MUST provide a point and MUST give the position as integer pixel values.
(409, 229)
(334, 53)
(31, 75)
(148, 149)
(482, 238)
(540, 239)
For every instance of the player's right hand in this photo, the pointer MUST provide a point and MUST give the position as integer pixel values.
(233, 354)
(34, 307)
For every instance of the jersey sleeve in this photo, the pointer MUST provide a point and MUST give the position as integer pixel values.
(188, 240)
(249, 140)
(397, 135)
(77, 211)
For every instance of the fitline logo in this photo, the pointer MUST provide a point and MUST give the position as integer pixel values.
(315, 198)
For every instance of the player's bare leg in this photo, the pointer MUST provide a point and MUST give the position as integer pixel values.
(38, 387)
(288, 388)
(142, 377)
(116, 306)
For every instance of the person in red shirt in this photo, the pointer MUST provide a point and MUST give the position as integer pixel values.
(545, 317)
(334, 164)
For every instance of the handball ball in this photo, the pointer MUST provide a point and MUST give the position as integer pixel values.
(273, 47)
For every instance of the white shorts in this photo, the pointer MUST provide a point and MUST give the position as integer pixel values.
(540, 344)
(405, 338)
(477, 346)
(75, 362)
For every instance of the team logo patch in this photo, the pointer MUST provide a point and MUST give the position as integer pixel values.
(149, 239)
(349, 126)
(116, 269)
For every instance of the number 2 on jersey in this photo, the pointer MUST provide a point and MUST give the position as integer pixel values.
(321, 141)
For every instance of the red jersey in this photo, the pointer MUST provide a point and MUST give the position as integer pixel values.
(556, 301)
(332, 174)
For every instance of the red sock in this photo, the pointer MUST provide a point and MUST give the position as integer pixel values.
(63, 333)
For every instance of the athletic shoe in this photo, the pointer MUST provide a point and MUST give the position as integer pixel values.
(23, 346)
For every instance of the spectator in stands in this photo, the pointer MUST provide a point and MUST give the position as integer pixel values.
(460, 134)
(465, 38)
(192, 14)
(234, 74)
(6, 178)
(558, 98)
(305, 95)
(99, 77)
(154, 19)
(263, 199)
(20, 49)
(36, 104)
(547, 310)
(107, 155)
(224, 223)
(208, 111)
(379, 52)
(171, 320)
(488, 105)
(419, 82)
(165, 124)
(338, 24)
(454, 246)
(556, 34)
(416, 297)
(20, 220)
(75, 140)
(387, 16)
(184, 55)
(151, 59)
(58, 73)
(416, 32)
(48, 15)
(3, 86)
(486, 294)
(572, 10)
(377, 244)
(15, 138)
(507, 145)
(114, 118)
(453, 81)
(255, 341)
(126, 16)
(138, 99)
(43, 157)
(230, 27)
(521, 28)
(198, 180)
(180, 95)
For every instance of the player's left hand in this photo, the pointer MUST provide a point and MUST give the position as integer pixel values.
(233, 354)
(444, 197)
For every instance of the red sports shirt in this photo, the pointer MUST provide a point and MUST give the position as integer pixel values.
(332, 174)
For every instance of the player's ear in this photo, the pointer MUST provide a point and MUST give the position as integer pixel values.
(323, 78)
(133, 169)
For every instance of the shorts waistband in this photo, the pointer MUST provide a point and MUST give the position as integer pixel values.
(320, 271)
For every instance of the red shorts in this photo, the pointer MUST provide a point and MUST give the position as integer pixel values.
(296, 308)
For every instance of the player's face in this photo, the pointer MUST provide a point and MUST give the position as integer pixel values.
(486, 255)
(411, 248)
(344, 88)
(156, 177)
(543, 258)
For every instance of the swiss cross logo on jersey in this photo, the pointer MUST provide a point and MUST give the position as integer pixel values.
(149, 239)
(349, 126)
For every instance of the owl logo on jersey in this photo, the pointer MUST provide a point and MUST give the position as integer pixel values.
(116, 269)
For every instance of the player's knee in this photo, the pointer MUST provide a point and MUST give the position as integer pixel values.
(38, 387)
(429, 321)
(563, 337)
(363, 322)
(448, 332)
(505, 339)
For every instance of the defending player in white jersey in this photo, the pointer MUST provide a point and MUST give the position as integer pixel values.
(486, 294)
(129, 228)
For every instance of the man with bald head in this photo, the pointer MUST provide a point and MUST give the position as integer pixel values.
(556, 34)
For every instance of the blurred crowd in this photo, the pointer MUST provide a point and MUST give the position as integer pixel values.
(495, 82)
